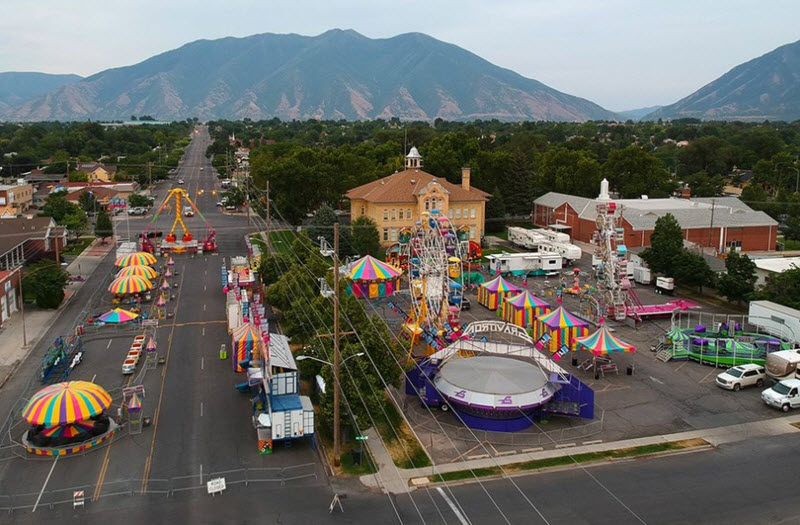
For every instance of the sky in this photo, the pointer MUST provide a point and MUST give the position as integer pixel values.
(621, 54)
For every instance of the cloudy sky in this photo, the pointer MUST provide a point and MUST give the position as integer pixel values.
(621, 54)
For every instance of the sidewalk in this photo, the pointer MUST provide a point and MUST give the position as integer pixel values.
(395, 480)
(37, 322)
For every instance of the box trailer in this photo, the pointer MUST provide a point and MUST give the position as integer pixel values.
(776, 319)
(538, 263)
(642, 275)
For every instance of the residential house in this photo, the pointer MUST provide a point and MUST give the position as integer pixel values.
(97, 171)
(15, 199)
(24, 240)
(399, 200)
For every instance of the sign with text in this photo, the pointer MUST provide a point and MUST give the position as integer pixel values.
(215, 486)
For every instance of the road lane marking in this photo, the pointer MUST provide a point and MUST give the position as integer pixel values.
(202, 363)
(204, 308)
(204, 288)
(109, 344)
(660, 382)
(93, 378)
(201, 409)
(102, 476)
(204, 330)
(452, 506)
(46, 481)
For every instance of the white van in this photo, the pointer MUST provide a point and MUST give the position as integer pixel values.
(188, 211)
(783, 394)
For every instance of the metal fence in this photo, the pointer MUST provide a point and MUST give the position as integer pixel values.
(11, 504)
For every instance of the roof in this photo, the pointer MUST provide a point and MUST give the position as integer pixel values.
(285, 403)
(6, 187)
(100, 193)
(642, 214)
(777, 264)
(404, 186)
(279, 352)
(414, 154)
(16, 231)
(91, 166)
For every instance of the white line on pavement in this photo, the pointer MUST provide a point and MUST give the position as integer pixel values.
(453, 507)
(46, 481)
(204, 308)
(93, 378)
(109, 344)
(201, 409)
(204, 330)
(202, 363)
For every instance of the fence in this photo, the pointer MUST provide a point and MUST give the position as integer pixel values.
(15, 503)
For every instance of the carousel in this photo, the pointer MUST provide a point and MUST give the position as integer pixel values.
(371, 278)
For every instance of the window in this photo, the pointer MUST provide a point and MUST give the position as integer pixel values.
(440, 203)
(386, 234)
(408, 214)
(400, 214)
(471, 232)
(472, 213)
(458, 213)
(363, 209)
(386, 214)
(466, 213)
(427, 204)
(394, 234)
(734, 244)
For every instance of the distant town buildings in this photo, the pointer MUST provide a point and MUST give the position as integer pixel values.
(97, 171)
(15, 199)
(399, 200)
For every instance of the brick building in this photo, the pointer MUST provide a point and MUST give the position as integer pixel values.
(720, 223)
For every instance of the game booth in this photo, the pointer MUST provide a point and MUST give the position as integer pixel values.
(523, 309)
(371, 278)
(67, 418)
(492, 293)
(246, 343)
(558, 329)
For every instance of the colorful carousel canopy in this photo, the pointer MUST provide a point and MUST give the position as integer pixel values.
(603, 342)
(64, 403)
(70, 430)
(134, 403)
(676, 334)
(141, 271)
(527, 300)
(151, 345)
(369, 268)
(117, 315)
(499, 284)
(130, 284)
(136, 259)
(560, 318)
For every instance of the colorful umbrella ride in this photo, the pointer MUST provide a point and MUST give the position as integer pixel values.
(372, 278)
(168, 274)
(245, 345)
(164, 285)
(134, 403)
(562, 327)
(522, 309)
(603, 342)
(170, 262)
(161, 302)
(70, 430)
(64, 403)
(117, 315)
(136, 259)
(141, 271)
(492, 293)
(130, 284)
(151, 345)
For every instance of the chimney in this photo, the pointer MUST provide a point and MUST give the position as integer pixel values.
(465, 178)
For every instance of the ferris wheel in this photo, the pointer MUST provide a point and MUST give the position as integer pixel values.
(433, 249)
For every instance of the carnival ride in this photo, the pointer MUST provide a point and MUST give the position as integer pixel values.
(726, 346)
(433, 251)
(171, 243)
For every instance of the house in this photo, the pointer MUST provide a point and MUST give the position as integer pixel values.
(721, 223)
(15, 199)
(769, 266)
(38, 175)
(106, 196)
(97, 171)
(399, 200)
(10, 292)
(25, 240)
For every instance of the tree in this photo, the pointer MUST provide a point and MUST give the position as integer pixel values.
(322, 225)
(792, 231)
(45, 280)
(57, 206)
(634, 172)
(782, 288)
(364, 237)
(135, 200)
(739, 279)
(692, 270)
(103, 227)
(87, 201)
(666, 244)
(76, 222)
(78, 176)
(703, 185)
(495, 212)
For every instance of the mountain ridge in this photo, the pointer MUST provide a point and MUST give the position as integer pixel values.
(337, 74)
(19, 86)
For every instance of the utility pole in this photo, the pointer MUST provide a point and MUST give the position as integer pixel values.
(711, 227)
(150, 175)
(22, 302)
(268, 220)
(55, 242)
(337, 389)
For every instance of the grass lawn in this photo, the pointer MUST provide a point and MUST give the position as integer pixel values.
(257, 240)
(789, 244)
(569, 460)
(77, 246)
(347, 466)
(500, 235)
(282, 241)
(401, 443)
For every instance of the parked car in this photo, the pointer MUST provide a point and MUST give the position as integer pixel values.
(138, 210)
(465, 304)
(180, 181)
(783, 394)
(741, 376)
(201, 168)
(188, 211)
(220, 203)
(230, 207)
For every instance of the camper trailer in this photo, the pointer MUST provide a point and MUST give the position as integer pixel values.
(539, 263)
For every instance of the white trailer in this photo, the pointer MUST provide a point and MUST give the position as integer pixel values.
(776, 319)
(783, 364)
(642, 275)
(570, 252)
(524, 237)
(554, 236)
(538, 263)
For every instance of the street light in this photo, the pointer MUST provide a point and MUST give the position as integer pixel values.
(797, 172)
(304, 357)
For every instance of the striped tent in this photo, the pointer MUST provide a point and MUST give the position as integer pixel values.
(522, 309)
(371, 278)
(603, 342)
(492, 293)
(245, 345)
(64, 403)
(562, 327)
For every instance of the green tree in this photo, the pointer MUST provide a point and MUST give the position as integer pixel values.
(76, 222)
(103, 227)
(364, 237)
(78, 176)
(87, 201)
(322, 225)
(666, 244)
(45, 280)
(634, 172)
(135, 200)
(739, 279)
(704, 185)
(495, 213)
(782, 288)
(691, 269)
(58, 207)
(792, 230)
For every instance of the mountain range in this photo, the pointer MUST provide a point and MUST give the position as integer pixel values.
(339, 74)
(16, 87)
(765, 88)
